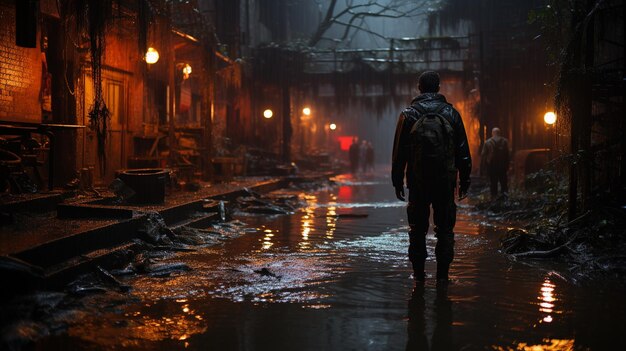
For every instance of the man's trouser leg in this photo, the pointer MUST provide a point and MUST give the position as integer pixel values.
(503, 182)
(493, 183)
(418, 212)
(444, 216)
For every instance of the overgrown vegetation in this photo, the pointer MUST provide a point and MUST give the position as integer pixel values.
(576, 212)
(592, 243)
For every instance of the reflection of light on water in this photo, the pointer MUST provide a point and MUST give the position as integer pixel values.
(466, 224)
(267, 239)
(307, 221)
(548, 345)
(317, 307)
(345, 193)
(180, 324)
(547, 300)
(331, 221)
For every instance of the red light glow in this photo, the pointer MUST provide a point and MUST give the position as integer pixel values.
(345, 193)
(345, 141)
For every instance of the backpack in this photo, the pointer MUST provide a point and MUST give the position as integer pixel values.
(432, 141)
(500, 153)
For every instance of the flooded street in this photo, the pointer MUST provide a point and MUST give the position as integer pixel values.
(335, 276)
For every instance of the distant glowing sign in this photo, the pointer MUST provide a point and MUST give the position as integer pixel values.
(345, 141)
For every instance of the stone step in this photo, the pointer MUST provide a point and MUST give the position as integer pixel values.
(64, 272)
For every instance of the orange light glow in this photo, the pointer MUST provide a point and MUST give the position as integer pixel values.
(307, 221)
(547, 300)
(152, 56)
(549, 118)
(186, 71)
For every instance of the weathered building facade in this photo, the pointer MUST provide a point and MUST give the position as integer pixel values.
(53, 83)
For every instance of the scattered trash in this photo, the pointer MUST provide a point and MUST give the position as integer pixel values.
(121, 190)
(267, 273)
(589, 244)
(273, 203)
(87, 290)
(155, 231)
(110, 279)
(222, 210)
(165, 269)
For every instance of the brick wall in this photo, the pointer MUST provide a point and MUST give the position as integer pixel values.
(20, 73)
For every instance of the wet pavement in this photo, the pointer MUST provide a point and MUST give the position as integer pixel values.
(335, 276)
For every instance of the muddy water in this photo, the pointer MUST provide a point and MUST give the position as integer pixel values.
(335, 277)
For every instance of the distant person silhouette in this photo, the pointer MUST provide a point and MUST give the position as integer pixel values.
(495, 159)
(353, 154)
(369, 157)
(363, 156)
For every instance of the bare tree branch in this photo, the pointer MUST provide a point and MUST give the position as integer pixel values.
(359, 12)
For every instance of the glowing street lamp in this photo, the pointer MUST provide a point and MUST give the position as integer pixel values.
(152, 56)
(332, 126)
(549, 118)
(268, 113)
(306, 111)
(186, 70)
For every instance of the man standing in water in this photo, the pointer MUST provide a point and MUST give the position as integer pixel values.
(495, 159)
(430, 147)
(353, 154)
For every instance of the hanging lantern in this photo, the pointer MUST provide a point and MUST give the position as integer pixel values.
(152, 56)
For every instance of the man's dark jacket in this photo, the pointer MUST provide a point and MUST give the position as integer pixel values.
(401, 144)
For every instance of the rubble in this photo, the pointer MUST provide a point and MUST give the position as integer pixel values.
(591, 244)
(273, 203)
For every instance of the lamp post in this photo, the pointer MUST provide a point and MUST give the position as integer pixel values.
(550, 119)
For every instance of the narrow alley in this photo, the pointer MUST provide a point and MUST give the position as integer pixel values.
(312, 175)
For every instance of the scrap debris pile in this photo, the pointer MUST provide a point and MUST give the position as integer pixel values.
(590, 244)
(157, 240)
(273, 203)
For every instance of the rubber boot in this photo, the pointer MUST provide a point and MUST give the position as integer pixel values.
(418, 272)
(442, 271)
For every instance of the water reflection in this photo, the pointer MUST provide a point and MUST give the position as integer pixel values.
(345, 193)
(267, 239)
(172, 320)
(548, 345)
(419, 325)
(547, 299)
(331, 219)
(307, 221)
